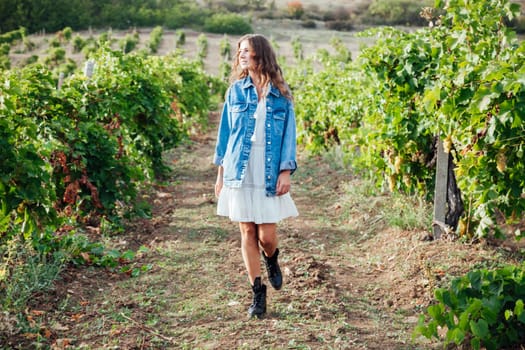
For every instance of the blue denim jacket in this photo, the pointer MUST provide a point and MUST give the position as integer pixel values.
(237, 125)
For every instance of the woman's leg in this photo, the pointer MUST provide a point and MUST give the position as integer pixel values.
(250, 249)
(252, 261)
(268, 238)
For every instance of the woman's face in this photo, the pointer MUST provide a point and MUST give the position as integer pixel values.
(246, 60)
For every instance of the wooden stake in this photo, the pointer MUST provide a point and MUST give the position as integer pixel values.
(60, 80)
(440, 192)
(88, 68)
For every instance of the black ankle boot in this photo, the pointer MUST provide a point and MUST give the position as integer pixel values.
(258, 307)
(274, 271)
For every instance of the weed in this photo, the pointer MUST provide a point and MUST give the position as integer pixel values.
(30, 271)
(408, 213)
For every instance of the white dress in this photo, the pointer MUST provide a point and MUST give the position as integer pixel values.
(249, 203)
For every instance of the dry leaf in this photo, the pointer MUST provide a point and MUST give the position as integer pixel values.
(31, 335)
(86, 257)
(58, 327)
(76, 317)
(61, 343)
(47, 333)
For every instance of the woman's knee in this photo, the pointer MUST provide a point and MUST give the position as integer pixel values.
(268, 236)
(248, 232)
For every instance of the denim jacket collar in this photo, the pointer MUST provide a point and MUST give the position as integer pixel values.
(248, 82)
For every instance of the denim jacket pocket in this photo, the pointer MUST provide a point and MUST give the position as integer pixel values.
(279, 117)
(239, 108)
(238, 111)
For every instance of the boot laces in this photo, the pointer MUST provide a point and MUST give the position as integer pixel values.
(273, 269)
(258, 298)
(271, 264)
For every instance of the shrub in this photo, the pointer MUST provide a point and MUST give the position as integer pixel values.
(78, 43)
(404, 90)
(68, 67)
(5, 62)
(28, 44)
(12, 36)
(295, 9)
(155, 39)
(225, 48)
(340, 25)
(146, 17)
(329, 16)
(298, 51)
(79, 154)
(56, 56)
(4, 49)
(339, 14)
(104, 38)
(396, 12)
(55, 42)
(129, 43)
(30, 60)
(185, 15)
(227, 23)
(309, 24)
(225, 70)
(343, 54)
(180, 38)
(202, 46)
(484, 308)
(67, 33)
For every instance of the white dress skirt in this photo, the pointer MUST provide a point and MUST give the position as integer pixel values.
(249, 202)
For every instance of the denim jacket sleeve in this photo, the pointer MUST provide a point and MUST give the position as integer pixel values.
(222, 133)
(289, 142)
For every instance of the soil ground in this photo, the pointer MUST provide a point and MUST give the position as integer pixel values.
(351, 280)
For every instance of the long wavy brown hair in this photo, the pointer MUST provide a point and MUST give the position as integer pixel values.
(266, 63)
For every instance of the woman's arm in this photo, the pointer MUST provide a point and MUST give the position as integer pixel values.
(219, 182)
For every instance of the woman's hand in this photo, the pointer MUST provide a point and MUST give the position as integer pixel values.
(219, 183)
(283, 182)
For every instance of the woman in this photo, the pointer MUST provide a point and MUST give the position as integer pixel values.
(255, 155)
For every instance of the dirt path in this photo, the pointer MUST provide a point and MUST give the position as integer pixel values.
(350, 282)
(328, 300)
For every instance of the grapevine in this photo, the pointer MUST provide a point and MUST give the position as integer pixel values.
(458, 80)
(79, 155)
